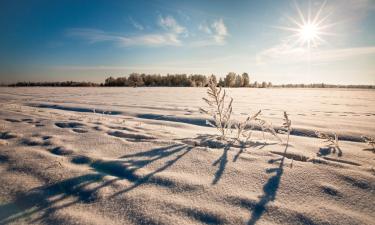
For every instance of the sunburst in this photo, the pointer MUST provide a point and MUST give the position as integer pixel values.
(309, 31)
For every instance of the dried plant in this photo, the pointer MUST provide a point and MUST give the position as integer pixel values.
(331, 140)
(102, 115)
(267, 127)
(287, 126)
(370, 141)
(245, 128)
(219, 108)
(2, 127)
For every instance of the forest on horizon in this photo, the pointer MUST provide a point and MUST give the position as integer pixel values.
(180, 80)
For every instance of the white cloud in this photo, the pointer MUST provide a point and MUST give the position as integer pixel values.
(170, 25)
(286, 54)
(220, 31)
(171, 34)
(160, 68)
(135, 24)
(278, 52)
(217, 33)
(95, 35)
(218, 65)
(205, 28)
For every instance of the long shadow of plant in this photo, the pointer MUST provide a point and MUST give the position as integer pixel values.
(127, 169)
(212, 141)
(243, 147)
(49, 199)
(46, 199)
(222, 161)
(369, 150)
(324, 151)
(269, 190)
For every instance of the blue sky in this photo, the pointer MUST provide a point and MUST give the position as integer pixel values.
(90, 40)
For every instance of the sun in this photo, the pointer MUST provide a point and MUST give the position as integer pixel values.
(309, 31)
(309, 34)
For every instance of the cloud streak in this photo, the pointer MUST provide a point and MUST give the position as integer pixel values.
(161, 68)
(216, 32)
(220, 31)
(135, 24)
(170, 33)
(170, 25)
(170, 36)
(286, 54)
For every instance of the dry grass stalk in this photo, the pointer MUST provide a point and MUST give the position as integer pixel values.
(331, 140)
(267, 127)
(2, 127)
(287, 126)
(245, 128)
(370, 141)
(219, 109)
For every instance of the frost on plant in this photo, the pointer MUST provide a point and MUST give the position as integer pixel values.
(265, 126)
(370, 141)
(286, 127)
(219, 107)
(244, 129)
(332, 141)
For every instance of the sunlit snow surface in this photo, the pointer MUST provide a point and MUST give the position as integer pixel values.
(146, 156)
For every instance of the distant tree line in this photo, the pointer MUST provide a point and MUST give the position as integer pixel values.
(177, 80)
(54, 84)
(323, 85)
(180, 80)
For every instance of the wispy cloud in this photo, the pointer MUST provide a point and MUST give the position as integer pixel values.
(160, 68)
(170, 35)
(170, 25)
(220, 31)
(217, 33)
(205, 28)
(286, 54)
(135, 24)
(217, 65)
(95, 35)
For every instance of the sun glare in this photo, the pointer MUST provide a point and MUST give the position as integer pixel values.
(309, 31)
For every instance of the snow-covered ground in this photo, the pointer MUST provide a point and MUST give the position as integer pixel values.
(137, 156)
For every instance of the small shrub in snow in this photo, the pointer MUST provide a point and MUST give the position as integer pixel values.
(370, 141)
(286, 127)
(244, 129)
(267, 127)
(331, 140)
(219, 108)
